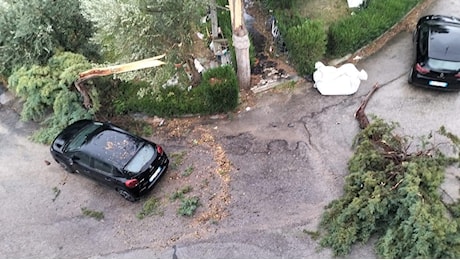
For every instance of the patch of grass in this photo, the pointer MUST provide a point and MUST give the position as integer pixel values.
(177, 159)
(180, 193)
(56, 192)
(150, 207)
(188, 206)
(288, 85)
(188, 171)
(98, 215)
(313, 234)
(315, 9)
(147, 130)
(205, 183)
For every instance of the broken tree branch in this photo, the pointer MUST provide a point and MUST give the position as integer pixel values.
(360, 115)
(99, 72)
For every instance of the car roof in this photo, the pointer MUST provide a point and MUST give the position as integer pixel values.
(444, 37)
(112, 146)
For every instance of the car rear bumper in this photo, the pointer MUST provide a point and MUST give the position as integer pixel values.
(150, 180)
(420, 80)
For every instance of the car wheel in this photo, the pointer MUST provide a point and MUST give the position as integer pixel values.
(127, 195)
(66, 167)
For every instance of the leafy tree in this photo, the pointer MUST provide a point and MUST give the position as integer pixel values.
(133, 30)
(395, 195)
(50, 88)
(32, 31)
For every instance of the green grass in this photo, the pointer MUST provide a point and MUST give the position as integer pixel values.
(177, 159)
(150, 207)
(56, 192)
(188, 206)
(98, 215)
(188, 171)
(180, 193)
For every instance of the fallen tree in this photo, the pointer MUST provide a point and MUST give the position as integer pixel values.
(106, 71)
(393, 192)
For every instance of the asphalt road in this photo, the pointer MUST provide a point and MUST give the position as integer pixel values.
(289, 152)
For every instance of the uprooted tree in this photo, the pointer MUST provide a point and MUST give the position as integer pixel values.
(393, 192)
(63, 87)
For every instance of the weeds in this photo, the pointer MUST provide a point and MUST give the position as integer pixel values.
(177, 159)
(188, 206)
(313, 234)
(188, 171)
(98, 215)
(180, 193)
(56, 192)
(150, 207)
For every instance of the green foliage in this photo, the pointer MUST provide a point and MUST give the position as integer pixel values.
(306, 44)
(177, 159)
(220, 89)
(98, 215)
(188, 171)
(276, 4)
(33, 31)
(350, 34)
(50, 88)
(217, 93)
(188, 206)
(150, 207)
(56, 192)
(135, 30)
(180, 193)
(393, 194)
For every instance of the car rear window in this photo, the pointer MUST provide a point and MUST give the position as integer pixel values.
(443, 65)
(142, 157)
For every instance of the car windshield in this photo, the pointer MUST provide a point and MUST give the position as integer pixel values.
(142, 157)
(443, 65)
(81, 137)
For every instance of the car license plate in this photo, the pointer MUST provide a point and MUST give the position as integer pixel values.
(155, 174)
(437, 83)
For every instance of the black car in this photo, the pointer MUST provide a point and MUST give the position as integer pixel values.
(437, 53)
(110, 155)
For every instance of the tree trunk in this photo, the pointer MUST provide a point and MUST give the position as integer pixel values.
(241, 43)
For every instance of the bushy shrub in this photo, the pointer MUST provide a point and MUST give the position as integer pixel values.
(306, 44)
(217, 93)
(350, 34)
(50, 88)
(220, 89)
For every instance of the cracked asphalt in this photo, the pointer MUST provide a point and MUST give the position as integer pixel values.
(289, 155)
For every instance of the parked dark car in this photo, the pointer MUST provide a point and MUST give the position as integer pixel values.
(437, 53)
(110, 155)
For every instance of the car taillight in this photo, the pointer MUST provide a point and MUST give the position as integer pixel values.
(421, 69)
(159, 149)
(457, 75)
(131, 183)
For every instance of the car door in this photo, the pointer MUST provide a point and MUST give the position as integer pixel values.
(81, 163)
(106, 173)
